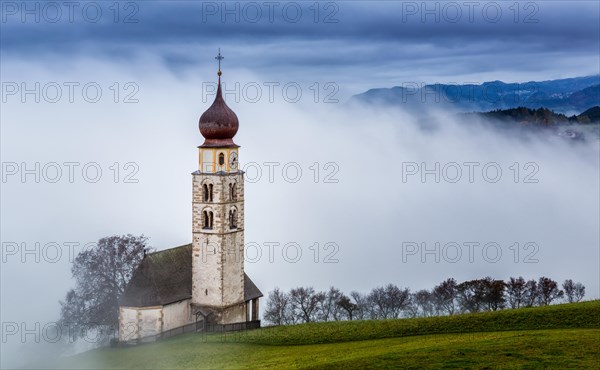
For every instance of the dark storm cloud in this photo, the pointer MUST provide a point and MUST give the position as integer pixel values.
(382, 30)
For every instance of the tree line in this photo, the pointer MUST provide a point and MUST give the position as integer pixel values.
(541, 116)
(305, 304)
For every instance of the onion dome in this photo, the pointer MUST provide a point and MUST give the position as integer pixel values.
(219, 123)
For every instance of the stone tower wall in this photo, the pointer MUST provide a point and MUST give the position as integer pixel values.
(218, 253)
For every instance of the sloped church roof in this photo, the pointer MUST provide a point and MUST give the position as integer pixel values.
(166, 277)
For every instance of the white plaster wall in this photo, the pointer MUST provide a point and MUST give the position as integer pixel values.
(176, 315)
(139, 322)
(128, 326)
(149, 321)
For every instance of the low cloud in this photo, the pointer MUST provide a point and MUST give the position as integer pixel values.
(353, 197)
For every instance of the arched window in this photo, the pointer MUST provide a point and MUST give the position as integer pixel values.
(207, 220)
(207, 191)
(221, 159)
(233, 218)
(232, 191)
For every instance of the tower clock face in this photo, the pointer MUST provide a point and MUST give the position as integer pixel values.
(233, 161)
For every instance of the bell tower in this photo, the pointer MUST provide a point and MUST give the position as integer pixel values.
(218, 218)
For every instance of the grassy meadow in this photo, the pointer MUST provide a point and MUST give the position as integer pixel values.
(559, 336)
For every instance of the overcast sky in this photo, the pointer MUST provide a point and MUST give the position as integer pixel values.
(155, 77)
(356, 44)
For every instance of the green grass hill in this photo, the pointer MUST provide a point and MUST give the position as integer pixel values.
(559, 336)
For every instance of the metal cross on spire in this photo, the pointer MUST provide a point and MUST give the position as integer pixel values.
(219, 58)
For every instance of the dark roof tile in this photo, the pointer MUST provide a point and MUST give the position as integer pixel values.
(166, 277)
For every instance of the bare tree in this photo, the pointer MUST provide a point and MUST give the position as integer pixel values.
(389, 301)
(516, 291)
(345, 303)
(569, 289)
(363, 307)
(579, 292)
(531, 296)
(444, 296)
(291, 315)
(493, 296)
(277, 310)
(423, 299)
(548, 290)
(470, 295)
(399, 299)
(412, 308)
(329, 309)
(379, 304)
(574, 292)
(101, 275)
(305, 302)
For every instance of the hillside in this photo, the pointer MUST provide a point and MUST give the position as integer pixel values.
(560, 336)
(593, 114)
(563, 96)
(540, 116)
(585, 126)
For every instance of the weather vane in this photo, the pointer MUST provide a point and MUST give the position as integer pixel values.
(219, 58)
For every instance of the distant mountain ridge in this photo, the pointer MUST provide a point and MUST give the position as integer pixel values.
(564, 96)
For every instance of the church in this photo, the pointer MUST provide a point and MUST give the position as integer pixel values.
(202, 285)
